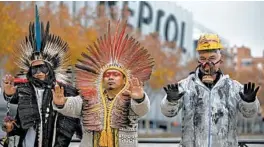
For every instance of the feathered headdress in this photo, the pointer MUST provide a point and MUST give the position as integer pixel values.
(112, 52)
(118, 52)
(41, 45)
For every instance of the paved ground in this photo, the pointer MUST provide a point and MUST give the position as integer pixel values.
(162, 145)
(259, 137)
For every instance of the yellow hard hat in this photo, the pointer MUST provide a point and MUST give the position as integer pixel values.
(209, 42)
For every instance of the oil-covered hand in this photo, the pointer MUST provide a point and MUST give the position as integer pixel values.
(249, 93)
(172, 91)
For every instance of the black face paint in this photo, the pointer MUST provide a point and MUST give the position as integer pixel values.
(49, 81)
(39, 68)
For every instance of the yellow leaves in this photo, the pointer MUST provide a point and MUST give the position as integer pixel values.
(9, 34)
(166, 63)
(14, 26)
(160, 77)
(78, 40)
(70, 30)
(89, 33)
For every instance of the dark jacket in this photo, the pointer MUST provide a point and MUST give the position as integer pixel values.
(28, 116)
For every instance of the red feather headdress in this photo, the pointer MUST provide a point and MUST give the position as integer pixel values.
(109, 52)
(119, 52)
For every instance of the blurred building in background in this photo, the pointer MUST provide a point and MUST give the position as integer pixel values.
(173, 24)
(244, 61)
(250, 68)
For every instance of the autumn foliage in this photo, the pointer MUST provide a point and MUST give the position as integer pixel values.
(15, 22)
(15, 18)
(14, 26)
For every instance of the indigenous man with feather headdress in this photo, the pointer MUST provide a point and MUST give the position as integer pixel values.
(111, 80)
(43, 56)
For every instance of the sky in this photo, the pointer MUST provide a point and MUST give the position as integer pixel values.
(238, 22)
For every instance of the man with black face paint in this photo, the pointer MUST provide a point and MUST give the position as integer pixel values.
(44, 57)
(209, 100)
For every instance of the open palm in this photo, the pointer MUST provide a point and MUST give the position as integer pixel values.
(9, 87)
(58, 95)
(136, 89)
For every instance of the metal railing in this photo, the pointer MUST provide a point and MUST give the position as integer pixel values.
(241, 142)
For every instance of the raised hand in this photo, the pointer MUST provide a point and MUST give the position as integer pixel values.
(9, 88)
(8, 124)
(58, 95)
(135, 90)
(249, 93)
(172, 91)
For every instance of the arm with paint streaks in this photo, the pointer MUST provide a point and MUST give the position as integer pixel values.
(172, 103)
(170, 109)
(246, 108)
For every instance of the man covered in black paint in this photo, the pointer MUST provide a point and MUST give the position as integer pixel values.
(209, 100)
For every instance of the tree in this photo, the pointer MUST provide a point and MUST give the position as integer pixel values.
(166, 63)
(251, 75)
(167, 55)
(15, 21)
(10, 32)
